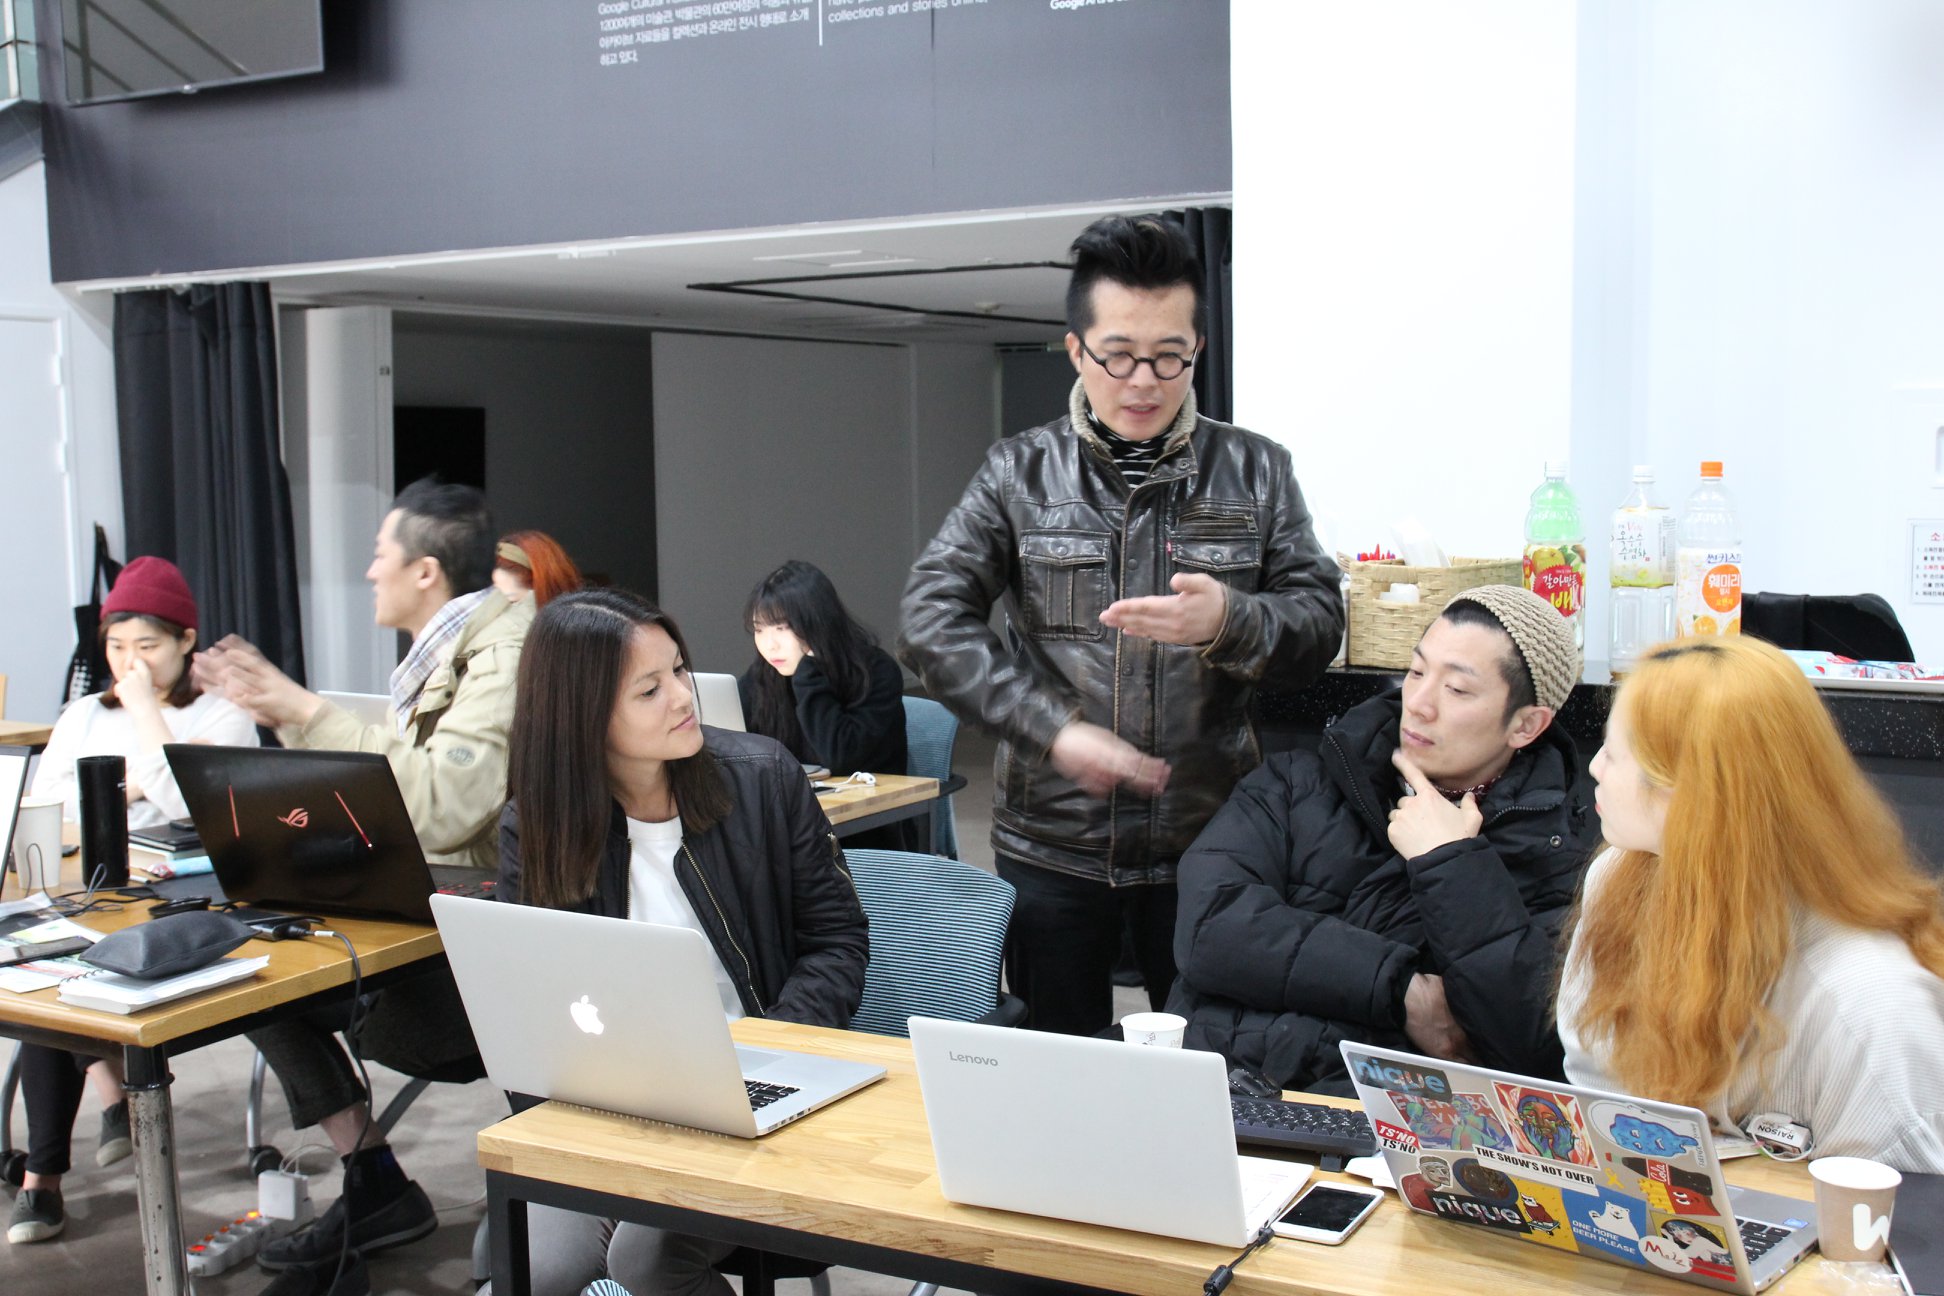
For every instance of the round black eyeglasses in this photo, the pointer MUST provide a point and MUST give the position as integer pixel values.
(1167, 366)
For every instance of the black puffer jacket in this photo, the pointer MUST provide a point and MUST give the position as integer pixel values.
(768, 883)
(1300, 927)
(1050, 528)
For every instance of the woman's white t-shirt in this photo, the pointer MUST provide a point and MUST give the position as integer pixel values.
(654, 895)
(88, 728)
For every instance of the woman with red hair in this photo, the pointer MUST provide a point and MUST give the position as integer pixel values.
(534, 560)
(1756, 939)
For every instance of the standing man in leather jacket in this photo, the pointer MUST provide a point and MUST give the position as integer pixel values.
(1155, 567)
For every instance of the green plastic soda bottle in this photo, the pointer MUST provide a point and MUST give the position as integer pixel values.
(1555, 549)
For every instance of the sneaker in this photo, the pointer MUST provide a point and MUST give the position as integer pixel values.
(115, 1142)
(315, 1279)
(37, 1215)
(406, 1218)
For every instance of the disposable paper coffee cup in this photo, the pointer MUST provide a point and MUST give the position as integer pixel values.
(1161, 1029)
(1854, 1198)
(37, 844)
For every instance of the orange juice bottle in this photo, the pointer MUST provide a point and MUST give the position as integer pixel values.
(1708, 561)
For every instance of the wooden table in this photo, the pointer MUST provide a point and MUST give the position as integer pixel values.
(855, 1184)
(859, 806)
(301, 974)
(25, 733)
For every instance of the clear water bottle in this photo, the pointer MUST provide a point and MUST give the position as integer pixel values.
(1640, 574)
(1555, 550)
(1708, 561)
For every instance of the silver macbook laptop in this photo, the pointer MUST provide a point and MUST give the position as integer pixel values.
(1621, 1179)
(1093, 1130)
(623, 1016)
(718, 701)
(13, 782)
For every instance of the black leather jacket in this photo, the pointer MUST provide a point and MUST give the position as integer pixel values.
(768, 884)
(1049, 526)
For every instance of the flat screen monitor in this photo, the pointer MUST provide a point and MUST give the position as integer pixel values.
(128, 49)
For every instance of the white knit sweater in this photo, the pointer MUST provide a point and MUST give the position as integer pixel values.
(88, 728)
(1862, 1058)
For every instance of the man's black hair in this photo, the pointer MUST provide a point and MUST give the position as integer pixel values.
(1512, 662)
(452, 524)
(1151, 253)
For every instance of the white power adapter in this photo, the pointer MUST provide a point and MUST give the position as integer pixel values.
(284, 1196)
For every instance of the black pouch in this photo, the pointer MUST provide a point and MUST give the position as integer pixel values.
(164, 947)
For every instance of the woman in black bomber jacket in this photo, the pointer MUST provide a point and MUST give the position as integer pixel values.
(624, 805)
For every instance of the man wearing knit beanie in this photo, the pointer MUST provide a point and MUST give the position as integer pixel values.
(1405, 883)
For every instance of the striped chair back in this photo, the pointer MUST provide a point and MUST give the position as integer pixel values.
(938, 927)
(930, 733)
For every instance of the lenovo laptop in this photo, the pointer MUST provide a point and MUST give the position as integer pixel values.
(718, 701)
(623, 1016)
(1094, 1130)
(1616, 1178)
(310, 831)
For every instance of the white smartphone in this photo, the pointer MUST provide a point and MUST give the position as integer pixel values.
(1328, 1213)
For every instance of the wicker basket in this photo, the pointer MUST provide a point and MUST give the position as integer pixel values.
(1383, 634)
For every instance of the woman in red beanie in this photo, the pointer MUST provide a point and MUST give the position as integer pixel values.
(148, 629)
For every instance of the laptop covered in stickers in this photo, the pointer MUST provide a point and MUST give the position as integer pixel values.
(1599, 1174)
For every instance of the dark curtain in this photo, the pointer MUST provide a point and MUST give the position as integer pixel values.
(1208, 229)
(202, 471)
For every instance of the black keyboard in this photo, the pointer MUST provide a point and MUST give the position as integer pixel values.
(1758, 1239)
(481, 889)
(762, 1095)
(1302, 1127)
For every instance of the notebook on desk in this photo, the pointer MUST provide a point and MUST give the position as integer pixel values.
(1094, 1130)
(622, 1016)
(322, 832)
(1604, 1175)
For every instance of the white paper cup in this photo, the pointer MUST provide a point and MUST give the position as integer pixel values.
(1163, 1030)
(1854, 1199)
(37, 843)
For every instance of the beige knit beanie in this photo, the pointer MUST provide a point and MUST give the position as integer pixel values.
(1543, 637)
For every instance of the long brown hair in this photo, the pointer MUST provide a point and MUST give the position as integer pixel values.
(1767, 814)
(570, 678)
(183, 691)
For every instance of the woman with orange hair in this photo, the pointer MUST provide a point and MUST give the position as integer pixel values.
(1755, 940)
(534, 560)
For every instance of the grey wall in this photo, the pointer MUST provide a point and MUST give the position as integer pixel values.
(493, 124)
(770, 449)
(1034, 386)
(569, 428)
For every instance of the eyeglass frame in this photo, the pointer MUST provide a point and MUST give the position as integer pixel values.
(1153, 362)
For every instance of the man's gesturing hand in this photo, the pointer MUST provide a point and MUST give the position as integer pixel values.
(1191, 615)
(1099, 761)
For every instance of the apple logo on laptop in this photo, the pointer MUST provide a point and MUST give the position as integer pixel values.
(586, 1016)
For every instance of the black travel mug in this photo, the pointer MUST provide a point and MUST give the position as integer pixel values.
(104, 820)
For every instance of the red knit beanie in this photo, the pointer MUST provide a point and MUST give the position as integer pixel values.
(152, 587)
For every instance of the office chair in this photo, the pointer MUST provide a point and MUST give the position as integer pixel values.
(930, 733)
(1863, 626)
(938, 928)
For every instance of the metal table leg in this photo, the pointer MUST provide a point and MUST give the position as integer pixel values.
(151, 1122)
(508, 1232)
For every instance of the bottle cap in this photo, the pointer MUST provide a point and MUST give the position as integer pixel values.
(1643, 472)
(1711, 467)
(1556, 468)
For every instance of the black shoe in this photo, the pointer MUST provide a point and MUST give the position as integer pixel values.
(406, 1218)
(115, 1143)
(37, 1215)
(315, 1279)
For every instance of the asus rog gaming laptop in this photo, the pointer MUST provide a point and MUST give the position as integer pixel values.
(310, 831)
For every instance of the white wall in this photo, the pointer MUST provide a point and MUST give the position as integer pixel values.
(844, 455)
(1787, 275)
(1404, 255)
(1685, 229)
(58, 450)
